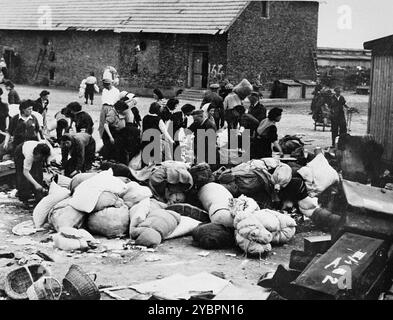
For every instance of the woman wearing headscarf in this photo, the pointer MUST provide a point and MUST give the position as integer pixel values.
(267, 137)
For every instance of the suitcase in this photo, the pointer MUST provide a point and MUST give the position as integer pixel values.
(368, 211)
(354, 266)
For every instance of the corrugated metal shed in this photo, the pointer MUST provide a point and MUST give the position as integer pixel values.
(153, 16)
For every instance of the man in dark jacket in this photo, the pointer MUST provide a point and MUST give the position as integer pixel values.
(78, 152)
(24, 126)
(83, 121)
(338, 122)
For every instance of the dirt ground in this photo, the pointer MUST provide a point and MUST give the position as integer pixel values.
(116, 267)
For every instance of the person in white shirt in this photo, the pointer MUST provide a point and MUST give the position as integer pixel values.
(110, 95)
(29, 157)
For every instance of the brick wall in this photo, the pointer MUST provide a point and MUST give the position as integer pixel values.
(77, 53)
(276, 47)
(165, 61)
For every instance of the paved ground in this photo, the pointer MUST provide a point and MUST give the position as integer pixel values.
(130, 266)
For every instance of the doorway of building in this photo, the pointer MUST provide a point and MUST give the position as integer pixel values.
(200, 67)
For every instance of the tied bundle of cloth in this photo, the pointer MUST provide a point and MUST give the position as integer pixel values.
(257, 230)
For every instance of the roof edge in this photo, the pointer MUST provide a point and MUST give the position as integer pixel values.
(370, 44)
(237, 16)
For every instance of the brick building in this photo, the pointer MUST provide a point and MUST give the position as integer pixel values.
(170, 44)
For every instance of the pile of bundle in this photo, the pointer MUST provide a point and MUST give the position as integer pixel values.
(107, 206)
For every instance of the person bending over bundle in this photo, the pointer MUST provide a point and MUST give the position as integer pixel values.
(78, 151)
(30, 157)
(119, 138)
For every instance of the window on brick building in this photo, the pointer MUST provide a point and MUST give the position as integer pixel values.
(265, 9)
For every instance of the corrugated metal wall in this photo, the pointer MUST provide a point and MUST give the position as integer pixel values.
(380, 122)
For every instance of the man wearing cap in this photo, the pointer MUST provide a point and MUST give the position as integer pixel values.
(41, 105)
(338, 122)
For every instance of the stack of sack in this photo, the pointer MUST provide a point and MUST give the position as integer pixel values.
(256, 230)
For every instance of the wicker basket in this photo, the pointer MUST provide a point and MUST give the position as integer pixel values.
(19, 280)
(45, 288)
(79, 285)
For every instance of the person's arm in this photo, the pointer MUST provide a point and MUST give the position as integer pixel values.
(165, 132)
(29, 178)
(7, 122)
(108, 131)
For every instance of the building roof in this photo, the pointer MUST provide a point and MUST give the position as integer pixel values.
(381, 46)
(289, 82)
(152, 16)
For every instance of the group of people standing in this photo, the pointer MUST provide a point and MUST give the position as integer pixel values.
(238, 109)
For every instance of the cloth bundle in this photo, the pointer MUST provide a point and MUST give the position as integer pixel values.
(63, 215)
(201, 174)
(43, 208)
(110, 222)
(247, 178)
(318, 175)
(213, 236)
(215, 199)
(70, 239)
(170, 177)
(158, 225)
(243, 89)
(86, 195)
(256, 230)
(290, 143)
(135, 193)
